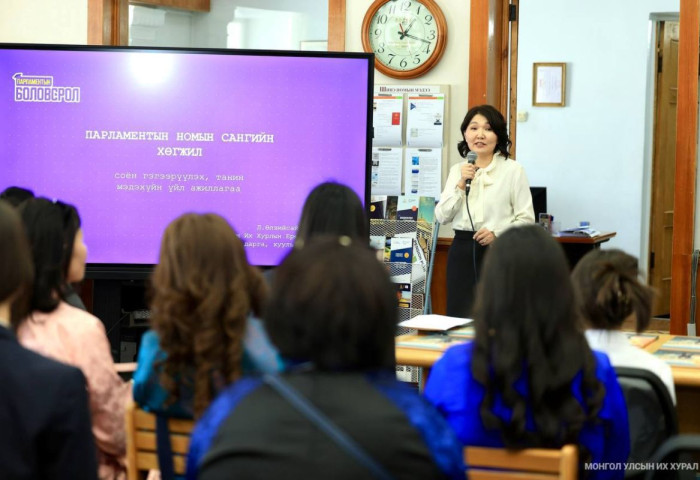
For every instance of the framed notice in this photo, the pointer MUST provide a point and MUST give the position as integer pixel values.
(548, 84)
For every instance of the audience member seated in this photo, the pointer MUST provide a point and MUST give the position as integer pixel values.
(67, 334)
(333, 315)
(204, 336)
(331, 209)
(529, 378)
(15, 196)
(45, 433)
(72, 266)
(609, 290)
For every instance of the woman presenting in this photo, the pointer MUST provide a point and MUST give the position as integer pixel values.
(481, 199)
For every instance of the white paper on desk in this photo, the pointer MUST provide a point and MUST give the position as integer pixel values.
(422, 171)
(435, 322)
(386, 171)
(387, 120)
(425, 119)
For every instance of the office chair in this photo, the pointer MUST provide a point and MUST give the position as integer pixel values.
(652, 415)
(677, 448)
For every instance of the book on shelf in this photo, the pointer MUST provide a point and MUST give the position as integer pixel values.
(432, 341)
(679, 358)
(407, 207)
(377, 206)
(641, 340)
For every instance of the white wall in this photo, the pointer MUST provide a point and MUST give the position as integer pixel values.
(592, 155)
(43, 21)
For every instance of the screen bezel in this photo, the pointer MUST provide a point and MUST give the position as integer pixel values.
(137, 271)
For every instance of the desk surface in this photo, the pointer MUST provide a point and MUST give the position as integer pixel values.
(603, 237)
(421, 357)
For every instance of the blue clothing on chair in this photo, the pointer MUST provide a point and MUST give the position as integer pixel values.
(454, 391)
(259, 356)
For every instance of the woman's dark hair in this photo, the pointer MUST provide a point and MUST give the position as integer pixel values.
(608, 288)
(332, 209)
(15, 196)
(71, 225)
(332, 304)
(15, 264)
(498, 125)
(526, 327)
(44, 224)
(202, 291)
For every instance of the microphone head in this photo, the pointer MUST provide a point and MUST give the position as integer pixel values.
(471, 157)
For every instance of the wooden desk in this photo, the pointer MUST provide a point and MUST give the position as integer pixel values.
(576, 247)
(686, 379)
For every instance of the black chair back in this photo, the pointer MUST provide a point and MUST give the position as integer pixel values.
(652, 415)
(681, 450)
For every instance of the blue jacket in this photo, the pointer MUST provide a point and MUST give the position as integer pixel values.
(454, 391)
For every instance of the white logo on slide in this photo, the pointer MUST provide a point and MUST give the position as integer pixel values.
(37, 88)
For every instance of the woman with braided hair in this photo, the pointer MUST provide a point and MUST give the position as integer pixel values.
(205, 298)
(607, 283)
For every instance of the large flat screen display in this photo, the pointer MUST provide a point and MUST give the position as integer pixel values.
(136, 137)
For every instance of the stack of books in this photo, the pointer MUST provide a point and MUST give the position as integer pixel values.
(438, 332)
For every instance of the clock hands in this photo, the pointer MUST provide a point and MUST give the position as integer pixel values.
(405, 32)
(415, 38)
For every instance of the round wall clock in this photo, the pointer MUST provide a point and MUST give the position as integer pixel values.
(407, 37)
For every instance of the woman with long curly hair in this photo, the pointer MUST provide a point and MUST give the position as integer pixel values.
(529, 378)
(205, 336)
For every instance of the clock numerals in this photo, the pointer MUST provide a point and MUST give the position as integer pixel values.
(406, 36)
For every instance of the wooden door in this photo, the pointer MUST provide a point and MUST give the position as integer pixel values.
(663, 166)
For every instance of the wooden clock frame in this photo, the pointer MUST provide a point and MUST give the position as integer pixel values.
(440, 45)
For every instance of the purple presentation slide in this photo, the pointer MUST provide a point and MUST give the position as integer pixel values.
(134, 138)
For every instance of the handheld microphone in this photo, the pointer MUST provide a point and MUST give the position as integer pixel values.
(471, 159)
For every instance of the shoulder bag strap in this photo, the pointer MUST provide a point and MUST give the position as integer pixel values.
(306, 408)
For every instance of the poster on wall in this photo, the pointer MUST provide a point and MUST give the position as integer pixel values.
(425, 120)
(387, 120)
(422, 171)
(386, 171)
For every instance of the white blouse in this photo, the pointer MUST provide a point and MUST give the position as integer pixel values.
(623, 354)
(499, 198)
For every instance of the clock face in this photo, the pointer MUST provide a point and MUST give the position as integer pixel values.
(406, 36)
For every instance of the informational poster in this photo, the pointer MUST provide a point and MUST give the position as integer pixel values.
(422, 171)
(386, 171)
(425, 120)
(388, 120)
